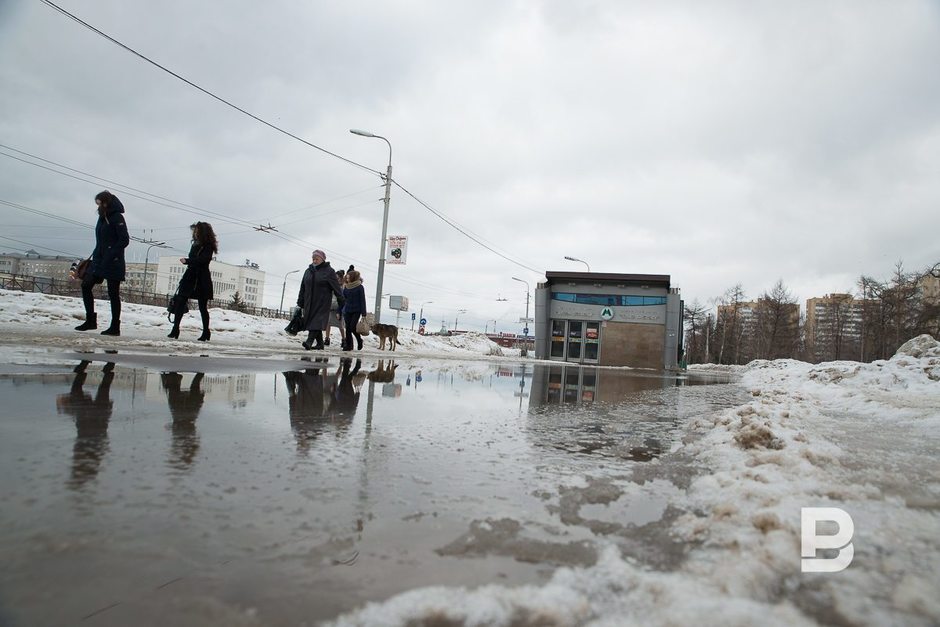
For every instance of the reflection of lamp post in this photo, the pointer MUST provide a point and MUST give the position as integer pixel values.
(421, 315)
(525, 342)
(388, 191)
(457, 317)
(579, 261)
(284, 287)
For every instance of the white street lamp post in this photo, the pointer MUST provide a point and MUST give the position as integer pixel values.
(147, 261)
(284, 287)
(457, 317)
(525, 342)
(421, 315)
(388, 191)
(579, 261)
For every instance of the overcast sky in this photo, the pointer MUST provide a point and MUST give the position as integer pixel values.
(716, 142)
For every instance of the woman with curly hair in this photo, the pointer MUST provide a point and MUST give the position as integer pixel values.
(197, 281)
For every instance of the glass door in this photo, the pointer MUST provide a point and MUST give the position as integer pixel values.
(575, 332)
(592, 342)
(558, 339)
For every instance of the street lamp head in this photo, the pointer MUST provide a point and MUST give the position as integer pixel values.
(356, 131)
(571, 258)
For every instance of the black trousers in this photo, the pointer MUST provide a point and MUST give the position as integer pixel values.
(351, 321)
(114, 295)
(203, 311)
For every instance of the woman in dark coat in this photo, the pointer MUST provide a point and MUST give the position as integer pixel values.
(107, 262)
(316, 294)
(196, 282)
(355, 296)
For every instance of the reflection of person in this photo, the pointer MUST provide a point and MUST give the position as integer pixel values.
(305, 405)
(107, 262)
(184, 408)
(355, 296)
(91, 423)
(316, 293)
(196, 282)
(345, 396)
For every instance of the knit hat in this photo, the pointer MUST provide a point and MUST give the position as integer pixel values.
(320, 253)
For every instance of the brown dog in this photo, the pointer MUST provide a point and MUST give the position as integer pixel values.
(386, 331)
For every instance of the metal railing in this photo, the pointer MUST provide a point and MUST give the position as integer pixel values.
(68, 287)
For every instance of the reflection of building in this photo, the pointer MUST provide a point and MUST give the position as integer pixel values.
(552, 385)
(234, 389)
(608, 319)
(247, 280)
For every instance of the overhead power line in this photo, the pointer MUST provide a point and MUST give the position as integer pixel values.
(203, 89)
(464, 231)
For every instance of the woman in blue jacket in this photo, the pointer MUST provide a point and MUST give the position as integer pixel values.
(355, 308)
(107, 262)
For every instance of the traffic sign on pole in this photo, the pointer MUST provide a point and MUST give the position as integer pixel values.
(423, 322)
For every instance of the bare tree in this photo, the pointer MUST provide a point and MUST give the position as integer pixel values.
(777, 319)
(728, 324)
(695, 317)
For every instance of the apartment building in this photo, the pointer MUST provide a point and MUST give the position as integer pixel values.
(33, 264)
(834, 327)
(247, 279)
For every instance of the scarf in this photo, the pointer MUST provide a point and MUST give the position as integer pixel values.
(353, 284)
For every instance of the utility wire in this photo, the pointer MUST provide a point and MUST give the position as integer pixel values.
(198, 211)
(202, 89)
(463, 231)
(19, 241)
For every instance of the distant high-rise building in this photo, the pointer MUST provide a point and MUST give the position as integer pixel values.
(834, 327)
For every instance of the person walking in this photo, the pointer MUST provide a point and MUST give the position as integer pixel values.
(336, 316)
(196, 282)
(355, 296)
(316, 293)
(107, 262)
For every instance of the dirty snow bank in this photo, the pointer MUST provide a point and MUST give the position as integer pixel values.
(805, 440)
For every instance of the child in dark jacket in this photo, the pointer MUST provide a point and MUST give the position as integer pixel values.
(355, 307)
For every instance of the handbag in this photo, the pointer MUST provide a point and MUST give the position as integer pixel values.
(80, 269)
(178, 305)
(296, 322)
(364, 326)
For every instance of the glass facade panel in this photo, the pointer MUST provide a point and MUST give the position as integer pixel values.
(608, 300)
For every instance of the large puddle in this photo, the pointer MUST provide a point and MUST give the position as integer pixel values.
(145, 496)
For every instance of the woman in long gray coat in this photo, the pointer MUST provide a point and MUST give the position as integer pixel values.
(316, 294)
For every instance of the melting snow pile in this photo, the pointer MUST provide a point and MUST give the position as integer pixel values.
(861, 437)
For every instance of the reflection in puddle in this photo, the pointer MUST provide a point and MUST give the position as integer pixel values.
(302, 493)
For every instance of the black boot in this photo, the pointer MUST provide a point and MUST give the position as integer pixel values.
(175, 333)
(206, 334)
(91, 322)
(308, 344)
(359, 340)
(114, 329)
(318, 336)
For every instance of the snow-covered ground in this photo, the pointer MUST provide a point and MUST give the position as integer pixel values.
(861, 437)
(31, 319)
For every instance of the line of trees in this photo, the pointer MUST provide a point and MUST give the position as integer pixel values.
(869, 324)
